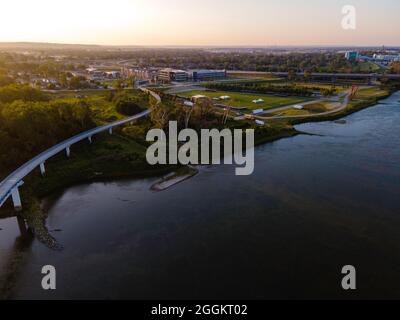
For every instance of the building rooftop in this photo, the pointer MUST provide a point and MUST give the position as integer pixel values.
(171, 70)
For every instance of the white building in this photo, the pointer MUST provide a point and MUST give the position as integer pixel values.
(387, 57)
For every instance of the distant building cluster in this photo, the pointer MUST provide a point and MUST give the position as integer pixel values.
(383, 59)
(170, 74)
(387, 57)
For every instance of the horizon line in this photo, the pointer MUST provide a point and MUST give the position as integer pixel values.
(249, 46)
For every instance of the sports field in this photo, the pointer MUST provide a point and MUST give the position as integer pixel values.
(245, 99)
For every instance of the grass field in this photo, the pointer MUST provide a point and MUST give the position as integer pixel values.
(268, 77)
(104, 111)
(371, 92)
(291, 112)
(309, 109)
(85, 93)
(245, 99)
(320, 86)
(367, 67)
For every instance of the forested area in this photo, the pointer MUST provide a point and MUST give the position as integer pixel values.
(251, 61)
(32, 121)
(28, 127)
(257, 60)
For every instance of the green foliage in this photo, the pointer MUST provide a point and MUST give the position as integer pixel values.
(166, 111)
(28, 128)
(15, 92)
(315, 107)
(5, 80)
(76, 83)
(127, 104)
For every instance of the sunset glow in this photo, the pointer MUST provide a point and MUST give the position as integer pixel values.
(178, 22)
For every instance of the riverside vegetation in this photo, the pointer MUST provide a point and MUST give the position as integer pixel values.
(31, 121)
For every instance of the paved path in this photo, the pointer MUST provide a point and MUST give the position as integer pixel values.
(342, 106)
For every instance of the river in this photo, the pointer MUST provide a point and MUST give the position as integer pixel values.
(314, 204)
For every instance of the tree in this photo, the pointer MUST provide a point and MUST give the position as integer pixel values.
(292, 75)
(307, 75)
(14, 92)
(28, 127)
(395, 67)
(119, 84)
(5, 80)
(78, 83)
(127, 107)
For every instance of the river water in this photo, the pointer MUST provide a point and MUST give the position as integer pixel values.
(314, 204)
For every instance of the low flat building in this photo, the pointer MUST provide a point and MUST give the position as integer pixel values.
(387, 57)
(204, 74)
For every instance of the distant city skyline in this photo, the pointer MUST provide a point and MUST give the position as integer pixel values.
(209, 23)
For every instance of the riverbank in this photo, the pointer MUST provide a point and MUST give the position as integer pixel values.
(358, 104)
(115, 157)
(109, 157)
(175, 177)
(310, 197)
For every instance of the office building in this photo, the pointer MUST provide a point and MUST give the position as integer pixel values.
(169, 75)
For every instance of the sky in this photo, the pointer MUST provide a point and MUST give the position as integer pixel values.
(199, 22)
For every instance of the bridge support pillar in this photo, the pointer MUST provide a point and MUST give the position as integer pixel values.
(22, 225)
(68, 152)
(110, 131)
(90, 139)
(42, 169)
(16, 198)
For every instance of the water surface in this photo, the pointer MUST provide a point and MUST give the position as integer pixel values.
(313, 205)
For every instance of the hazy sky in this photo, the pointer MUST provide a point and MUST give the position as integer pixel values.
(199, 22)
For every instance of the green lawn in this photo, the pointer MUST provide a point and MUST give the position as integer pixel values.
(320, 86)
(103, 110)
(245, 99)
(85, 93)
(367, 67)
(371, 92)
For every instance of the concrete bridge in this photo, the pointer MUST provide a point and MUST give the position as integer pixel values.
(9, 187)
